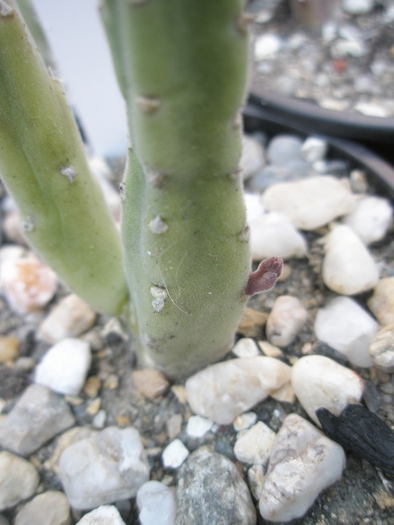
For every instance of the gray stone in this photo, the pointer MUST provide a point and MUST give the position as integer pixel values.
(109, 466)
(211, 491)
(35, 419)
(18, 480)
(49, 508)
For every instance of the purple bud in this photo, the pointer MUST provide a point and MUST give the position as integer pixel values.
(265, 277)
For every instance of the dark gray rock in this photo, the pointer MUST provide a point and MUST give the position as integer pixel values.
(210, 490)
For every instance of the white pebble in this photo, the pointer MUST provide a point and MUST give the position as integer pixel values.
(314, 148)
(285, 321)
(273, 235)
(348, 267)
(373, 109)
(252, 159)
(244, 421)
(320, 382)
(18, 480)
(157, 504)
(370, 219)
(381, 349)
(266, 46)
(71, 317)
(310, 203)
(302, 463)
(223, 391)
(28, 284)
(108, 466)
(358, 7)
(104, 515)
(174, 454)
(245, 347)
(256, 479)
(348, 328)
(254, 445)
(254, 206)
(65, 366)
(198, 426)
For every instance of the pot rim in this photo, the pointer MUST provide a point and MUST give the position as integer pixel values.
(309, 115)
(379, 172)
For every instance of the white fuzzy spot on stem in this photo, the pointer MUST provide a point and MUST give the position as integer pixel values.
(158, 293)
(5, 9)
(148, 105)
(70, 173)
(157, 225)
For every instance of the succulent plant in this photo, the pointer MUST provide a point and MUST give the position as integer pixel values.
(180, 272)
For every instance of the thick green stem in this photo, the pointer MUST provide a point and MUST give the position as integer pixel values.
(182, 67)
(43, 165)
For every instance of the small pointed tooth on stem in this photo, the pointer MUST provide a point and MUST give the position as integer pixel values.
(148, 105)
(155, 177)
(157, 225)
(265, 277)
(243, 21)
(236, 123)
(244, 236)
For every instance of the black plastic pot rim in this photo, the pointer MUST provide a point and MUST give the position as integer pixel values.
(310, 116)
(380, 172)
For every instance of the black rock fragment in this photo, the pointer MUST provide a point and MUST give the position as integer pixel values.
(360, 431)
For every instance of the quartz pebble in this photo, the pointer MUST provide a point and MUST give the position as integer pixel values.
(35, 419)
(198, 426)
(150, 382)
(64, 367)
(381, 349)
(254, 206)
(320, 382)
(381, 303)
(310, 203)
(104, 515)
(71, 317)
(109, 466)
(285, 321)
(283, 149)
(273, 234)
(348, 267)
(370, 219)
(245, 347)
(156, 503)
(223, 391)
(244, 421)
(347, 328)
(252, 159)
(358, 7)
(254, 445)
(66, 439)
(57, 510)
(28, 284)
(314, 148)
(174, 454)
(210, 491)
(18, 480)
(302, 463)
(266, 46)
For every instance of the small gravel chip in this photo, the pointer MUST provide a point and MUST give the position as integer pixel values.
(198, 426)
(174, 454)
